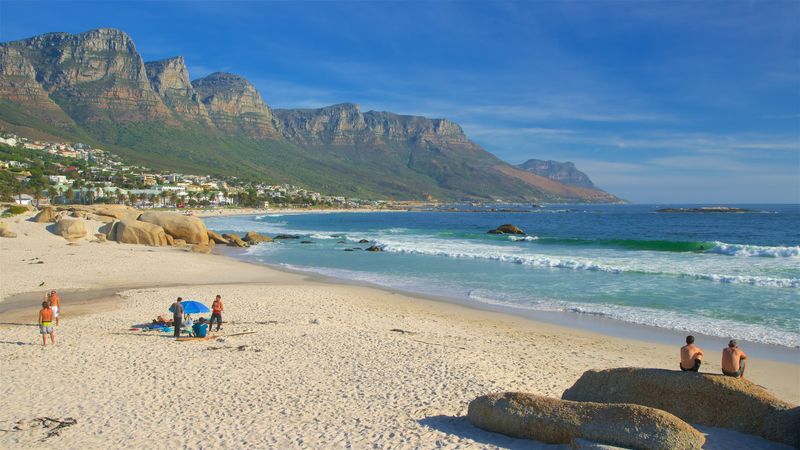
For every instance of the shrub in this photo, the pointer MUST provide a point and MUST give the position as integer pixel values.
(14, 210)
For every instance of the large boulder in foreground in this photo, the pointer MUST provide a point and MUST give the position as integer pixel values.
(70, 228)
(46, 215)
(130, 231)
(557, 421)
(506, 229)
(700, 398)
(190, 229)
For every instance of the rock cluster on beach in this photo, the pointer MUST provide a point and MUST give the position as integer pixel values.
(557, 421)
(128, 225)
(706, 399)
(640, 408)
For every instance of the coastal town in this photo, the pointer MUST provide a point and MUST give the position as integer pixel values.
(41, 173)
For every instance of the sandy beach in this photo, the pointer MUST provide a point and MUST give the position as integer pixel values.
(326, 365)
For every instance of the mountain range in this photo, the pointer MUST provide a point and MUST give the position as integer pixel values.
(94, 87)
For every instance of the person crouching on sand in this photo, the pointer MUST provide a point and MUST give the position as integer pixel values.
(733, 360)
(691, 356)
(46, 324)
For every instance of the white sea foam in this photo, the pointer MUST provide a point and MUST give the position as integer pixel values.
(395, 230)
(672, 320)
(638, 315)
(465, 250)
(523, 238)
(322, 236)
(755, 250)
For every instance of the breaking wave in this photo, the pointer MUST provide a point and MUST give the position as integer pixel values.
(582, 264)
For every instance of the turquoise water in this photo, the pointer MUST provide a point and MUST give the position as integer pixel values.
(719, 274)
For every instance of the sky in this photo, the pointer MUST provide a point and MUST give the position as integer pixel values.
(658, 102)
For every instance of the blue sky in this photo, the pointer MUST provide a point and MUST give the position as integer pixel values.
(657, 101)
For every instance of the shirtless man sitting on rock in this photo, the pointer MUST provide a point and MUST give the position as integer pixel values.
(691, 356)
(733, 360)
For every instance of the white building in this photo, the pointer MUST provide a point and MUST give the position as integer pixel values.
(23, 199)
(9, 141)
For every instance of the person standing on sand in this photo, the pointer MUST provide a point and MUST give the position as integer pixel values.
(733, 360)
(46, 324)
(55, 304)
(691, 356)
(216, 312)
(177, 316)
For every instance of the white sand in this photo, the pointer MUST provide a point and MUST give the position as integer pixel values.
(322, 370)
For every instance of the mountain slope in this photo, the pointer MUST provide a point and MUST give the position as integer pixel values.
(94, 87)
(563, 172)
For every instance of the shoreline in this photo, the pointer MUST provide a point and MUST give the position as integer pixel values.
(605, 326)
(230, 271)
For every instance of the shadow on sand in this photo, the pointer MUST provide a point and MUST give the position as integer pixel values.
(16, 343)
(460, 426)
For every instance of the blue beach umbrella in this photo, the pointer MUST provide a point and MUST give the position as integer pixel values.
(193, 307)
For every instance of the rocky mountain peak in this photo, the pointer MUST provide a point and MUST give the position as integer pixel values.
(345, 124)
(169, 74)
(563, 172)
(234, 104)
(98, 72)
(170, 79)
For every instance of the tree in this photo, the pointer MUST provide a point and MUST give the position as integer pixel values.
(163, 195)
(173, 197)
(37, 194)
(133, 197)
(52, 193)
(70, 194)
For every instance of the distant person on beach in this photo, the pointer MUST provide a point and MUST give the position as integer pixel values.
(691, 356)
(55, 303)
(46, 324)
(177, 316)
(733, 360)
(216, 312)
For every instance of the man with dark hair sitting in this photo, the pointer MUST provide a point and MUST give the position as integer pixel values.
(733, 360)
(691, 356)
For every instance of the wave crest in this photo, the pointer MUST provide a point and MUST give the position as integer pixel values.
(755, 250)
(546, 261)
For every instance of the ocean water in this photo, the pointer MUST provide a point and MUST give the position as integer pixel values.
(730, 275)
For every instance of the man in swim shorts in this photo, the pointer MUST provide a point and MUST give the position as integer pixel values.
(216, 312)
(55, 304)
(733, 360)
(691, 356)
(46, 324)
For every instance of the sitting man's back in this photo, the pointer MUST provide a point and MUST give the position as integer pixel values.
(733, 360)
(691, 356)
